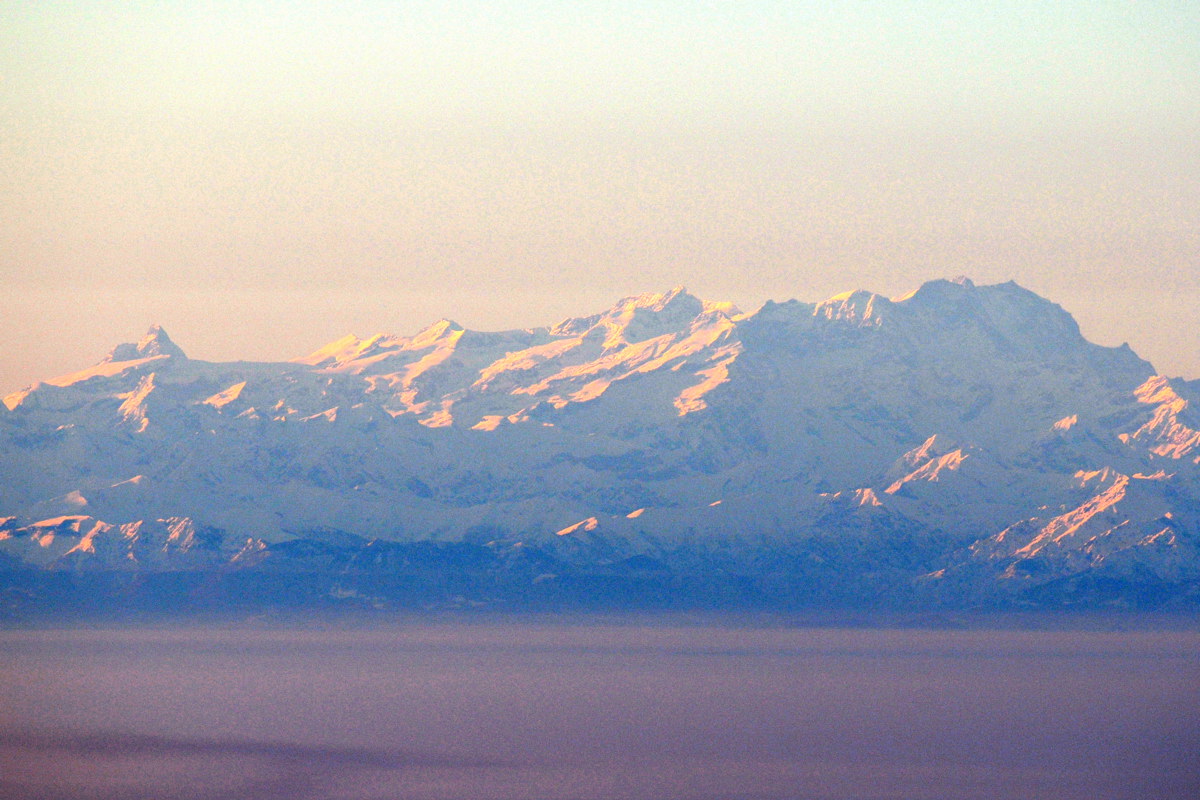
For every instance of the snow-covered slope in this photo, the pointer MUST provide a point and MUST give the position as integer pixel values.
(935, 435)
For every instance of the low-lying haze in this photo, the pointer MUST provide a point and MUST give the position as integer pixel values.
(593, 711)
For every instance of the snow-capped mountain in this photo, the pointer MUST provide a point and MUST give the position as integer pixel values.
(960, 442)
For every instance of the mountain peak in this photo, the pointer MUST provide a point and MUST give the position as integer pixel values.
(156, 342)
(658, 301)
(859, 306)
(940, 290)
(435, 333)
(641, 316)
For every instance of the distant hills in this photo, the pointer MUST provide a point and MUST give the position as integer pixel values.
(961, 446)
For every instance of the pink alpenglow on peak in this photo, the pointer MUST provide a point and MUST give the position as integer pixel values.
(125, 358)
(857, 307)
(156, 342)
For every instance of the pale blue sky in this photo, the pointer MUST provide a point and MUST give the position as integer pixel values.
(263, 177)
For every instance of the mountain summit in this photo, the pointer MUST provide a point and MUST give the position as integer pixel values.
(154, 343)
(959, 444)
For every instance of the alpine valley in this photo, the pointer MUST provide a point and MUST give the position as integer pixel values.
(961, 446)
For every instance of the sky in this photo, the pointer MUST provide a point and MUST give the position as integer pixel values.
(262, 178)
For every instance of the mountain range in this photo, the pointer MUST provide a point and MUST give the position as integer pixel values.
(961, 446)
